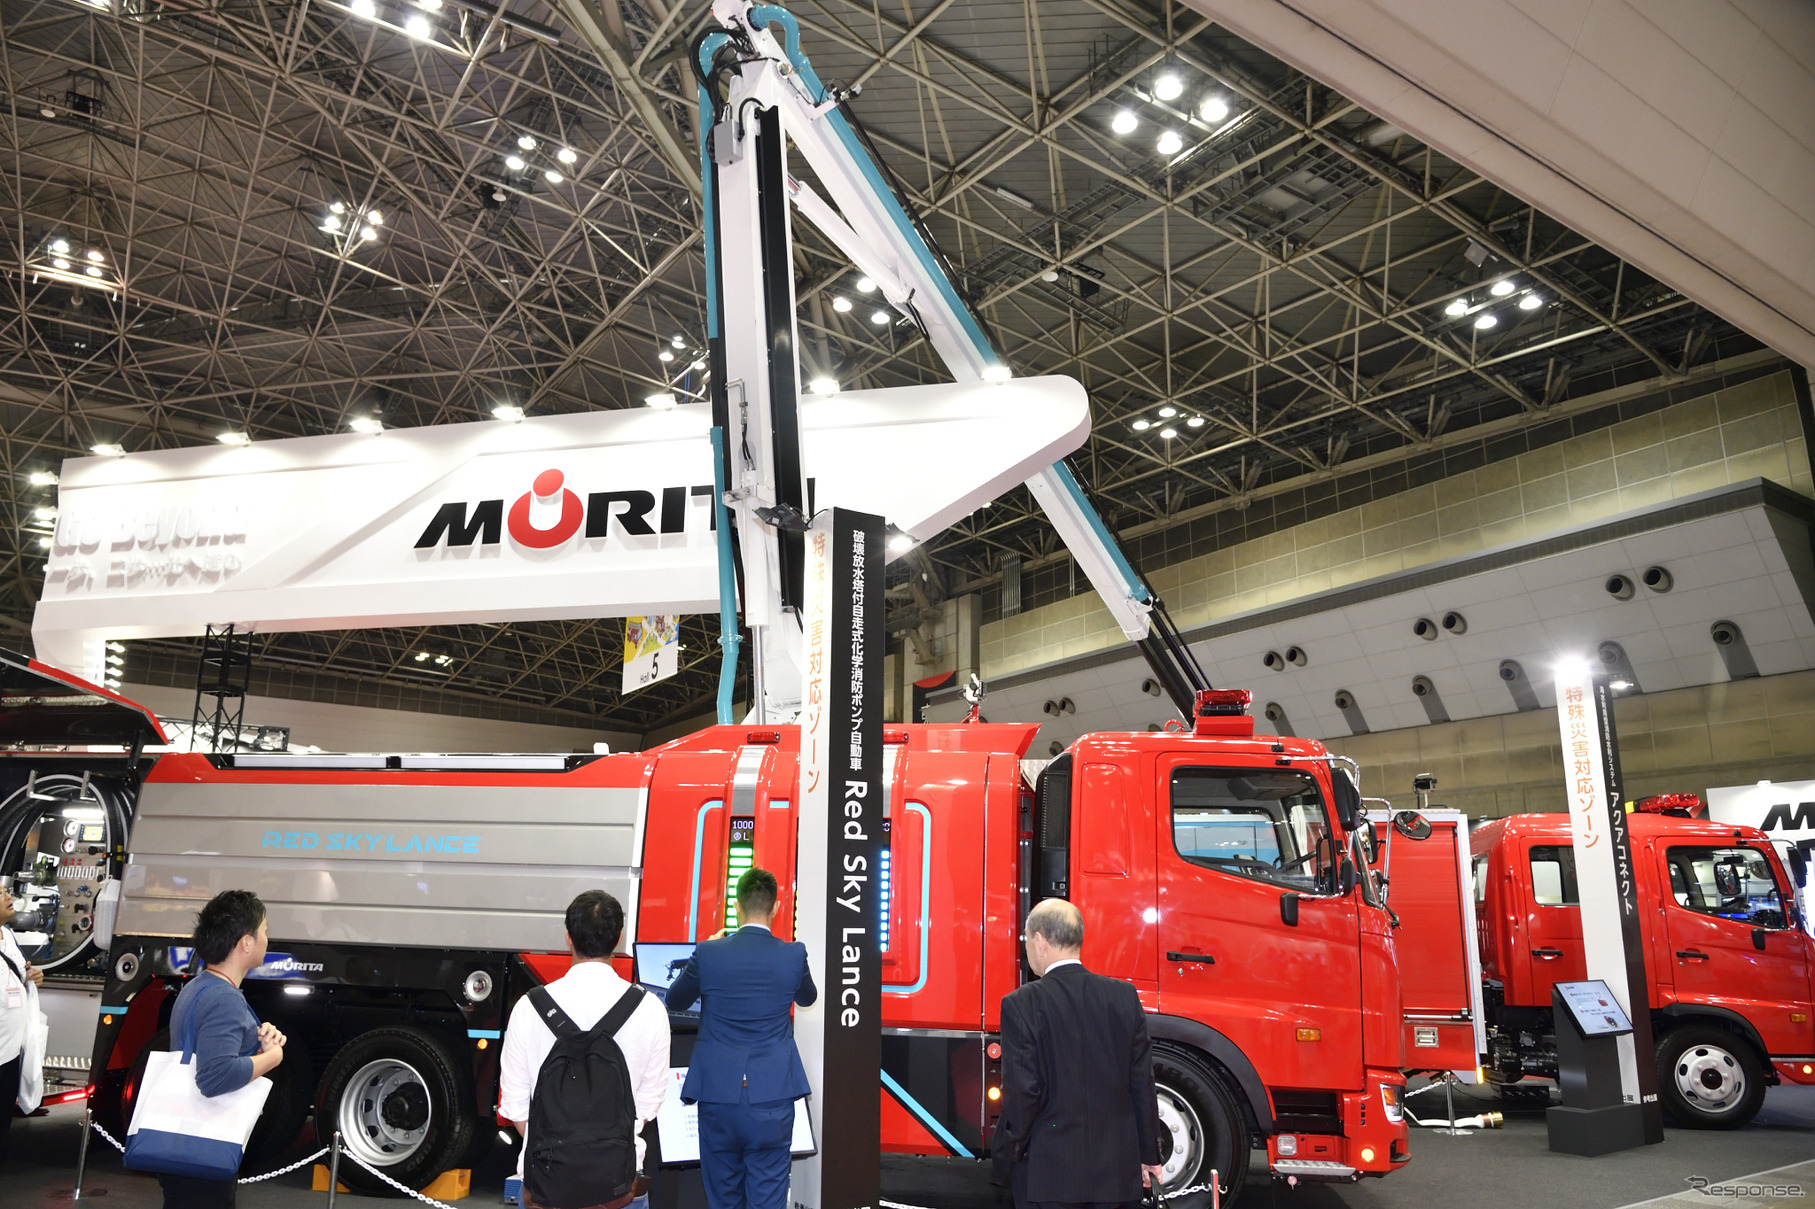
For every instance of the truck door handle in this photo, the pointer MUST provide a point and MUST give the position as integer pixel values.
(1547, 953)
(1692, 955)
(1202, 958)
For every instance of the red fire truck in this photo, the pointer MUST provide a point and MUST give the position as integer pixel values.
(413, 899)
(1727, 965)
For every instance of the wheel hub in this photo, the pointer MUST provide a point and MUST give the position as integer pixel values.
(1710, 1078)
(1181, 1140)
(385, 1112)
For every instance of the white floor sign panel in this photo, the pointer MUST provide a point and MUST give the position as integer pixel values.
(599, 514)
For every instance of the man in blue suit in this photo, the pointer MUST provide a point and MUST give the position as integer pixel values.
(745, 1073)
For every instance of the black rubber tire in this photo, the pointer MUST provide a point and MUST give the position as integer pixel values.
(286, 1109)
(135, 1075)
(1725, 1055)
(1218, 1126)
(446, 1091)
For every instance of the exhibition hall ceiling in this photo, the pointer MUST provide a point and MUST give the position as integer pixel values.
(282, 219)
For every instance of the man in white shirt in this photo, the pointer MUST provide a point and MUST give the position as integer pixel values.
(590, 989)
(15, 972)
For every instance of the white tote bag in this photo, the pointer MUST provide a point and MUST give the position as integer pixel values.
(176, 1130)
(31, 1068)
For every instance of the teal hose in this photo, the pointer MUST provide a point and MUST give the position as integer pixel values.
(729, 639)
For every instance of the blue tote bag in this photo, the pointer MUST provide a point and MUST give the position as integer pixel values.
(176, 1130)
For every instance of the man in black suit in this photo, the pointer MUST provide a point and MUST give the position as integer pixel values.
(1080, 1119)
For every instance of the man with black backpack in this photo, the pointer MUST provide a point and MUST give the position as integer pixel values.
(585, 1064)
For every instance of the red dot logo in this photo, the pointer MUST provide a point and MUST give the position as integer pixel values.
(573, 512)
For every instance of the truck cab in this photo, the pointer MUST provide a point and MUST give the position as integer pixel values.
(1728, 966)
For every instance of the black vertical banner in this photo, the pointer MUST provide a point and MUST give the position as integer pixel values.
(850, 1157)
(1631, 935)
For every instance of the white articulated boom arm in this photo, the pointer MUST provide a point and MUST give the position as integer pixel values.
(758, 61)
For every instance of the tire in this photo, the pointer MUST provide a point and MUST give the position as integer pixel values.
(1709, 1078)
(402, 1104)
(135, 1077)
(286, 1108)
(1201, 1129)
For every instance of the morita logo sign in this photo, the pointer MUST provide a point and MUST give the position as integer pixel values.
(551, 514)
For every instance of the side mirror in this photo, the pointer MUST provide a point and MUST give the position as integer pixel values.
(1369, 841)
(1345, 874)
(1412, 825)
(1348, 799)
(1799, 866)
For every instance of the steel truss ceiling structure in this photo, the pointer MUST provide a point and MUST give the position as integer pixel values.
(1277, 279)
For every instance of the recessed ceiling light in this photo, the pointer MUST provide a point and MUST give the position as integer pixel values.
(94, 256)
(375, 217)
(1141, 425)
(879, 317)
(1166, 434)
(1170, 143)
(1213, 109)
(418, 26)
(1530, 302)
(865, 285)
(661, 400)
(234, 438)
(514, 163)
(108, 450)
(1166, 413)
(59, 262)
(368, 233)
(526, 141)
(1457, 307)
(1124, 122)
(1168, 87)
(366, 424)
(567, 155)
(1195, 422)
(841, 304)
(510, 413)
(553, 177)
(823, 386)
(664, 355)
(1485, 321)
(1501, 288)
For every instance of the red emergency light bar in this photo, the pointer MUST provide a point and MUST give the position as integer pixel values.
(1212, 702)
(1686, 805)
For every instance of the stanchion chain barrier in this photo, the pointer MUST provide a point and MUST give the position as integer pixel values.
(251, 1179)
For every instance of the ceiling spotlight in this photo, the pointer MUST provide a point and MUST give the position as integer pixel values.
(1195, 422)
(677, 341)
(997, 373)
(59, 262)
(1050, 276)
(1166, 413)
(698, 364)
(94, 256)
(661, 401)
(1166, 434)
(1530, 302)
(824, 387)
(1213, 109)
(901, 543)
(93, 270)
(1124, 122)
(375, 217)
(1141, 425)
(841, 304)
(108, 450)
(510, 413)
(330, 224)
(60, 246)
(234, 438)
(514, 163)
(527, 142)
(44, 542)
(1485, 322)
(337, 207)
(44, 514)
(49, 111)
(115, 661)
(567, 155)
(664, 355)
(418, 26)
(364, 8)
(368, 233)
(422, 656)
(366, 424)
(1170, 143)
(865, 285)
(1457, 307)
(1501, 288)
(1168, 87)
(552, 177)
(42, 478)
(118, 648)
(879, 318)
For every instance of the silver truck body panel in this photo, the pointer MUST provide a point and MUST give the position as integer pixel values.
(436, 866)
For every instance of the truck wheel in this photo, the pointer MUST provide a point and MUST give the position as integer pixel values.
(402, 1104)
(1709, 1078)
(1201, 1129)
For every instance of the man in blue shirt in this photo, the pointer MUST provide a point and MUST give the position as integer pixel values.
(745, 1073)
(231, 1047)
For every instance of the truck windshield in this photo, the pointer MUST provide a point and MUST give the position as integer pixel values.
(1265, 823)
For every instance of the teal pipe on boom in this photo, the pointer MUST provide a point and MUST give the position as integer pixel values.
(729, 639)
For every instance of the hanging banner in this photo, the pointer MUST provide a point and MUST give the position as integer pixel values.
(652, 649)
(596, 514)
(1612, 943)
(839, 894)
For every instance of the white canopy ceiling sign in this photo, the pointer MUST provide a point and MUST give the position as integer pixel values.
(597, 514)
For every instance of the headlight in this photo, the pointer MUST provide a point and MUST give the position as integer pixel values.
(1389, 1099)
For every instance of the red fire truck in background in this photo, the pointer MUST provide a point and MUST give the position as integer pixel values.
(414, 898)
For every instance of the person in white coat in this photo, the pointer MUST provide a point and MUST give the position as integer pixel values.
(15, 1005)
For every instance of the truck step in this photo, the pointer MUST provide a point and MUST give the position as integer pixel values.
(1314, 1169)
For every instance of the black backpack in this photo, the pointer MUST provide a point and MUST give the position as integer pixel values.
(582, 1117)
